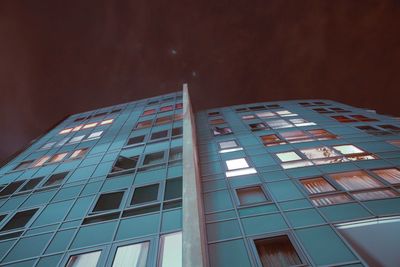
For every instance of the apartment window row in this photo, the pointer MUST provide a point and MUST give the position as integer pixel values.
(352, 118)
(100, 114)
(56, 158)
(170, 98)
(257, 107)
(296, 137)
(314, 103)
(346, 186)
(330, 110)
(144, 199)
(159, 121)
(162, 109)
(378, 130)
(136, 254)
(73, 140)
(27, 185)
(269, 114)
(85, 126)
(155, 136)
(322, 155)
(128, 162)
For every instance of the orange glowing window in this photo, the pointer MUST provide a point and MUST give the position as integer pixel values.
(362, 118)
(272, 140)
(40, 161)
(217, 121)
(178, 117)
(65, 131)
(178, 105)
(89, 125)
(106, 121)
(321, 134)
(144, 124)
(166, 108)
(58, 157)
(163, 120)
(78, 153)
(343, 119)
(148, 112)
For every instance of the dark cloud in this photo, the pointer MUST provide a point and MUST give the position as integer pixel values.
(59, 58)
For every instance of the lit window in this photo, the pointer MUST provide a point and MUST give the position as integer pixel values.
(288, 156)
(19, 220)
(317, 185)
(265, 114)
(319, 152)
(106, 121)
(90, 125)
(217, 121)
(23, 165)
(251, 195)
(131, 255)
(84, 260)
(301, 122)
(356, 180)
(144, 124)
(257, 126)
(178, 106)
(277, 251)
(343, 119)
(362, 118)
(374, 194)
(348, 149)
(285, 113)
(240, 172)
(171, 250)
(95, 135)
(65, 131)
(248, 117)
(227, 144)
(55, 179)
(148, 112)
(58, 157)
(125, 163)
(164, 120)
(77, 128)
(40, 161)
(108, 201)
(278, 124)
(178, 117)
(135, 140)
(330, 199)
(296, 136)
(76, 139)
(145, 194)
(221, 130)
(272, 140)
(235, 164)
(166, 108)
(78, 153)
(48, 145)
(321, 134)
(390, 175)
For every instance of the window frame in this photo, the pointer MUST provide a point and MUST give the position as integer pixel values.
(93, 213)
(267, 196)
(160, 194)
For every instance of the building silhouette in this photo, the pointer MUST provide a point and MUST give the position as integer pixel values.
(151, 183)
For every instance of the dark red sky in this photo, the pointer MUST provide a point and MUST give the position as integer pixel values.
(64, 57)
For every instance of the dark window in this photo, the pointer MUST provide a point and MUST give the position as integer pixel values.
(101, 218)
(115, 111)
(372, 130)
(214, 113)
(164, 120)
(175, 153)
(274, 106)
(272, 140)
(158, 135)
(256, 107)
(108, 201)
(178, 106)
(124, 163)
(11, 188)
(241, 109)
(177, 131)
(257, 126)
(23, 165)
(79, 119)
(362, 118)
(319, 103)
(153, 102)
(390, 127)
(277, 251)
(339, 110)
(322, 110)
(20, 219)
(343, 119)
(56, 179)
(221, 130)
(166, 108)
(135, 140)
(250, 195)
(2, 217)
(145, 194)
(31, 184)
(173, 188)
(99, 114)
(154, 158)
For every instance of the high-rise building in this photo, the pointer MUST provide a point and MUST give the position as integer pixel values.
(150, 183)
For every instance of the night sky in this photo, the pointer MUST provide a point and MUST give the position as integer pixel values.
(64, 57)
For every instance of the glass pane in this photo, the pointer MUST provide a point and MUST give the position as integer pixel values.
(250, 195)
(277, 251)
(171, 250)
(109, 201)
(131, 255)
(390, 175)
(278, 124)
(135, 140)
(348, 149)
(317, 185)
(319, 152)
(227, 144)
(160, 134)
(19, 220)
(330, 199)
(375, 194)
(55, 179)
(84, 260)
(288, 156)
(31, 184)
(154, 158)
(355, 180)
(173, 188)
(145, 194)
(296, 136)
(235, 164)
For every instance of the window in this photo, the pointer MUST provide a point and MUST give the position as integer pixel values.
(278, 124)
(40, 161)
(178, 106)
(48, 145)
(65, 131)
(58, 157)
(166, 108)
(238, 167)
(177, 131)
(285, 113)
(90, 125)
(248, 117)
(79, 119)
(154, 158)
(228, 146)
(19, 220)
(99, 114)
(171, 250)
(175, 153)
(84, 260)
(343, 119)
(319, 153)
(135, 140)
(339, 110)
(257, 126)
(221, 131)
(391, 176)
(145, 194)
(77, 128)
(164, 120)
(76, 139)
(321, 134)
(317, 185)
(55, 179)
(391, 128)
(301, 122)
(106, 121)
(395, 142)
(265, 114)
(356, 180)
(354, 153)
(62, 142)
(330, 199)
(30, 184)
(144, 124)
(95, 135)
(108, 201)
(131, 255)
(23, 165)
(374, 194)
(78, 153)
(288, 156)
(372, 130)
(217, 121)
(148, 112)
(214, 113)
(296, 136)
(11, 188)
(362, 118)
(322, 110)
(352, 118)
(271, 140)
(251, 195)
(125, 163)
(256, 107)
(277, 251)
(158, 135)
(173, 188)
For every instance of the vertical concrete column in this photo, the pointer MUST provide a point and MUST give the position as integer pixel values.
(193, 238)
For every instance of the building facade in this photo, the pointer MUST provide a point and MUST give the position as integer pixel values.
(150, 183)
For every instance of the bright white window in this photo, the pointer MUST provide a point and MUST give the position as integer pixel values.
(239, 172)
(106, 121)
(77, 128)
(319, 152)
(48, 145)
(78, 153)
(228, 144)
(348, 149)
(301, 122)
(95, 135)
(65, 131)
(265, 114)
(288, 156)
(76, 139)
(63, 141)
(278, 124)
(90, 125)
(171, 250)
(132, 255)
(84, 260)
(234, 164)
(285, 113)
